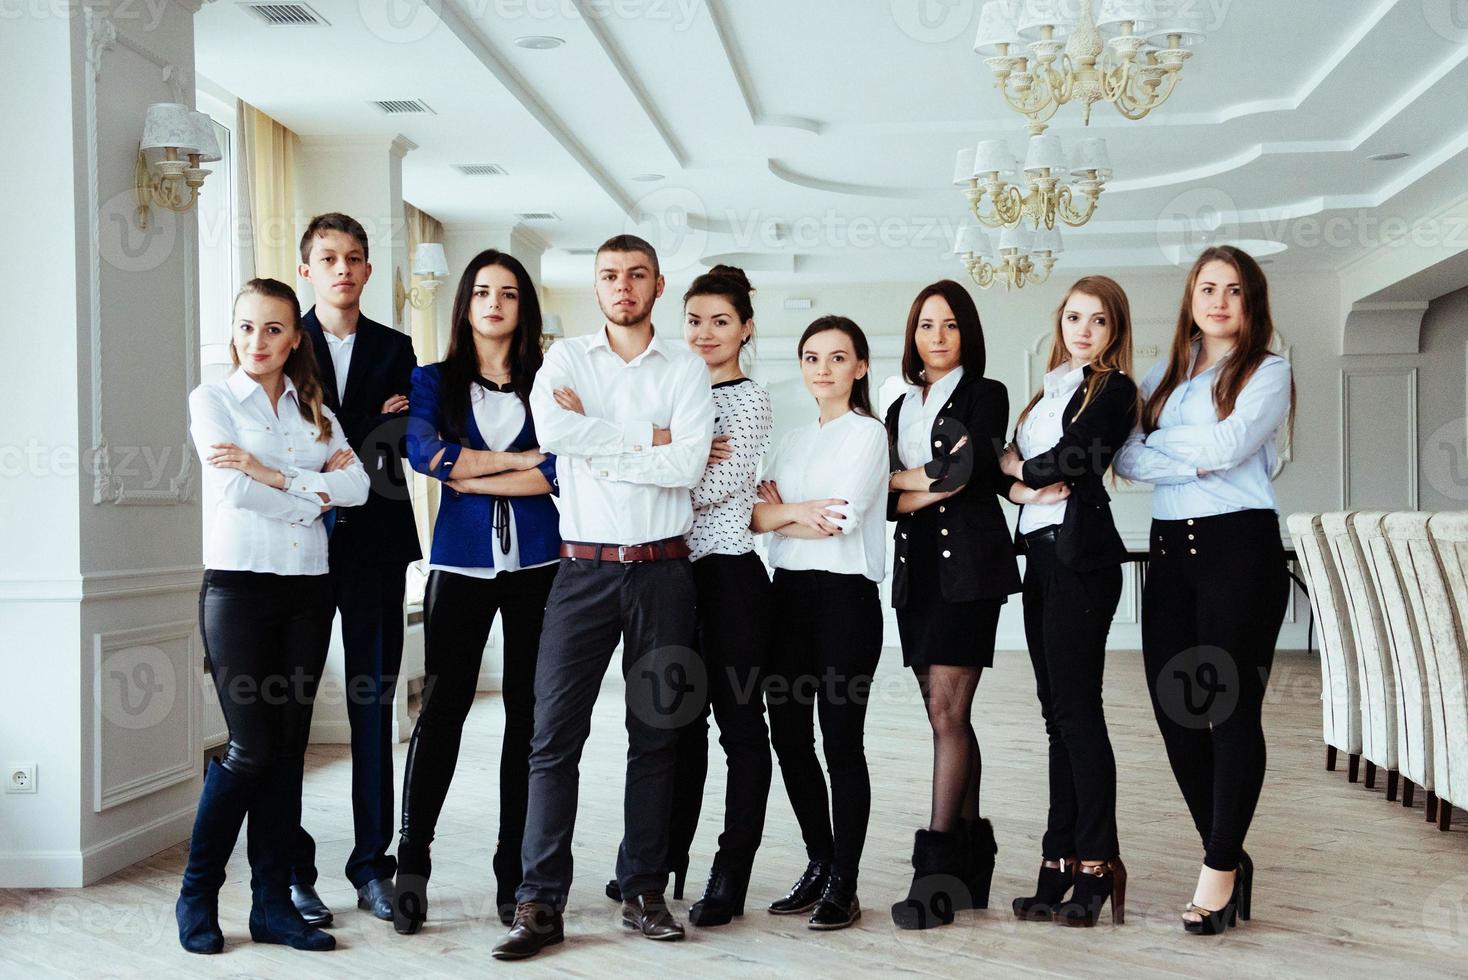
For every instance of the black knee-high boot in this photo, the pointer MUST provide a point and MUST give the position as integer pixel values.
(222, 808)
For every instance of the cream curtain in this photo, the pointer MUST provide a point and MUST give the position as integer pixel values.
(423, 327)
(270, 162)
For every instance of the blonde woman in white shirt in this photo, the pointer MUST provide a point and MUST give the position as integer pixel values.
(829, 554)
(275, 460)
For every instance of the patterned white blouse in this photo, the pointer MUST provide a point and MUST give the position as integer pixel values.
(725, 497)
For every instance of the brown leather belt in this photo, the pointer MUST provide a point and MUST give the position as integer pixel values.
(663, 550)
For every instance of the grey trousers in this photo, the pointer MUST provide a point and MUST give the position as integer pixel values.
(650, 605)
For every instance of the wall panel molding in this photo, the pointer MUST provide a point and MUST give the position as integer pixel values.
(1408, 377)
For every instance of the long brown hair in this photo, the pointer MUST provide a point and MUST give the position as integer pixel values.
(300, 364)
(861, 398)
(460, 367)
(1114, 358)
(1250, 349)
(970, 331)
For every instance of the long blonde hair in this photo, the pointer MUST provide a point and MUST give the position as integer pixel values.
(300, 364)
(1115, 357)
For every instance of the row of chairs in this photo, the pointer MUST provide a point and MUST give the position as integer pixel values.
(1389, 592)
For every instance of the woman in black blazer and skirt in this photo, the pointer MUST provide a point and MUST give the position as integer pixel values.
(954, 569)
(1064, 442)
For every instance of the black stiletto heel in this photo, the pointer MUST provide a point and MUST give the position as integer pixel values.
(1246, 884)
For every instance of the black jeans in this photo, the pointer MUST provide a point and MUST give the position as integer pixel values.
(827, 641)
(370, 597)
(651, 606)
(458, 613)
(266, 638)
(1217, 588)
(1067, 617)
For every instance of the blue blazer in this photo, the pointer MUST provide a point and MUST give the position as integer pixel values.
(464, 532)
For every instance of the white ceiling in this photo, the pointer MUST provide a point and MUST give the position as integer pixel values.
(814, 139)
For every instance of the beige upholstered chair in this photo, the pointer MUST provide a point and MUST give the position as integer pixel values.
(1449, 533)
(1441, 637)
(1414, 712)
(1340, 699)
(1375, 669)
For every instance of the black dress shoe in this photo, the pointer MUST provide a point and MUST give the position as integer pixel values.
(805, 893)
(838, 907)
(376, 897)
(309, 904)
(649, 915)
(536, 925)
(723, 898)
(614, 890)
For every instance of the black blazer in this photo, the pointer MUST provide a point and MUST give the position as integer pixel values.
(1088, 538)
(982, 564)
(382, 529)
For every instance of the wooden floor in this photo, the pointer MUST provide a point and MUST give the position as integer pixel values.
(1347, 884)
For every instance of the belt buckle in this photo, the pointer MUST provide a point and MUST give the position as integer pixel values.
(622, 554)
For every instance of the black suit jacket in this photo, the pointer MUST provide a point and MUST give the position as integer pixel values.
(1088, 538)
(382, 529)
(982, 564)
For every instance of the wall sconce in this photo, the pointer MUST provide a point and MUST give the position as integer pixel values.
(171, 132)
(430, 264)
(550, 330)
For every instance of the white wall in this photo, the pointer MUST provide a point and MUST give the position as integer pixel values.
(1443, 404)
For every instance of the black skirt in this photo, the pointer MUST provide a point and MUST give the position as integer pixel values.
(934, 631)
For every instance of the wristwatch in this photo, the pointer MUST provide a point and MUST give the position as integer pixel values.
(290, 473)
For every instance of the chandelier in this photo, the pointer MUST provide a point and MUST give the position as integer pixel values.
(1025, 257)
(1131, 55)
(1048, 194)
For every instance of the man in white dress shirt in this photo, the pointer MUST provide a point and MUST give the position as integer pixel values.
(630, 443)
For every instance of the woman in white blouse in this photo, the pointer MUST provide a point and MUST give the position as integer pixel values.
(275, 461)
(1217, 585)
(829, 555)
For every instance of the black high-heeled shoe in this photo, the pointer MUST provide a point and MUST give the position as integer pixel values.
(507, 878)
(806, 891)
(1055, 880)
(723, 897)
(679, 874)
(1245, 881)
(1213, 922)
(982, 851)
(1095, 884)
(410, 889)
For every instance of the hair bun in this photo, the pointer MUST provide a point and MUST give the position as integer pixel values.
(732, 272)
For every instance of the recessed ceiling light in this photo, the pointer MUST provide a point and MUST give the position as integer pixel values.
(647, 178)
(1383, 157)
(539, 42)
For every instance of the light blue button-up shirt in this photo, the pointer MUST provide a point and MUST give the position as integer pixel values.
(1237, 454)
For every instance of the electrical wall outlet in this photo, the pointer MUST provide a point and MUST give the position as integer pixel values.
(20, 777)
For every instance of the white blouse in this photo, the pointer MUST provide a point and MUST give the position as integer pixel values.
(254, 527)
(844, 459)
(916, 417)
(1042, 430)
(725, 497)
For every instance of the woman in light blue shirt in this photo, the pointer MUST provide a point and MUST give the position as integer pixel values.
(1217, 587)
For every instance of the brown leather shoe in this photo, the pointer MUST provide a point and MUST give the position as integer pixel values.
(536, 926)
(649, 914)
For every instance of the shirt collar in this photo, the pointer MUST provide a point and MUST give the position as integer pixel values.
(242, 386)
(1064, 379)
(1198, 352)
(941, 388)
(336, 341)
(656, 345)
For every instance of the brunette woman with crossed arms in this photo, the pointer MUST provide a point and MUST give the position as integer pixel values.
(275, 460)
(1217, 586)
(495, 549)
(1065, 440)
(953, 572)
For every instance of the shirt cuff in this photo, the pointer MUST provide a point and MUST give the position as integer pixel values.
(451, 451)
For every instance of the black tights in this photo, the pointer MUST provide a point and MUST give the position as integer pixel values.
(948, 695)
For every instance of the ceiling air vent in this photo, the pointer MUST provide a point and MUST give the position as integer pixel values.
(286, 14)
(481, 169)
(537, 216)
(399, 107)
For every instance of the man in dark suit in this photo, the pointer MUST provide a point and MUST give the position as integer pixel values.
(366, 370)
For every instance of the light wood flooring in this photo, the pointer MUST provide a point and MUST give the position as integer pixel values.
(1348, 885)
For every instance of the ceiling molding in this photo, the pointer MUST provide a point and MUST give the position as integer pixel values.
(609, 47)
(742, 78)
(790, 176)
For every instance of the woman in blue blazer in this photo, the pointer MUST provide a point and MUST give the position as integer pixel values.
(496, 546)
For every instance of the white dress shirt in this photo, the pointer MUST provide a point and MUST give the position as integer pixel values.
(616, 486)
(341, 359)
(254, 527)
(916, 417)
(1237, 452)
(1041, 431)
(845, 459)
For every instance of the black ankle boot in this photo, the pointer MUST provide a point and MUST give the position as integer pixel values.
(410, 890)
(1056, 878)
(723, 897)
(938, 887)
(839, 907)
(805, 893)
(1095, 885)
(275, 813)
(982, 851)
(222, 807)
(507, 878)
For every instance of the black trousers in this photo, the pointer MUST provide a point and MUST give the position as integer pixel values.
(370, 597)
(733, 630)
(1067, 617)
(266, 638)
(650, 605)
(458, 613)
(827, 641)
(1216, 593)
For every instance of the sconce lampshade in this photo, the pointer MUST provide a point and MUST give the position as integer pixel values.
(170, 124)
(963, 167)
(1044, 152)
(1019, 238)
(1090, 154)
(1048, 240)
(429, 260)
(993, 156)
(996, 27)
(204, 140)
(550, 326)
